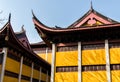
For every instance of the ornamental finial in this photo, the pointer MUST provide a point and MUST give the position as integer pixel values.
(9, 17)
(91, 6)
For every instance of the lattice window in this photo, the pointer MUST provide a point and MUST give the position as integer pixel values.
(115, 67)
(114, 45)
(93, 67)
(67, 48)
(97, 46)
(67, 69)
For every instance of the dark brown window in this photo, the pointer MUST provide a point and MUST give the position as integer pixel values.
(35, 80)
(27, 62)
(93, 67)
(67, 48)
(115, 66)
(36, 66)
(1, 57)
(42, 50)
(25, 77)
(44, 71)
(114, 45)
(11, 74)
(84, 68)
(93, 46)
(67, 69)
(13, 56)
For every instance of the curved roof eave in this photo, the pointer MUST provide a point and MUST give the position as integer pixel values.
(41, 27)
(28, 51)
(9, 29)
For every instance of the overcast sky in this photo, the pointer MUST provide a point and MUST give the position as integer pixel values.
(53, 12)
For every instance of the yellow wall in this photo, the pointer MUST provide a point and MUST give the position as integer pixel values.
(93, 57)
(115, 76)
(66, 77)
(94, 76)
(36, 74)
(48, 78)
(26, 70)
(9, 79)
(115, 55)
(49, 58)
(12, 65)
(68, 58)
(43, 77)
(43, 55)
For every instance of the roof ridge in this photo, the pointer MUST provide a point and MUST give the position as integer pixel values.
(91, 10)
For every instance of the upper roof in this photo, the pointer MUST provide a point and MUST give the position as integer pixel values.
(92, 18)
(8, 38)
(23, 38)
(91, 23)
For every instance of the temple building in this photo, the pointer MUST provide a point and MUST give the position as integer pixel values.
(86, 51)
(18, 62)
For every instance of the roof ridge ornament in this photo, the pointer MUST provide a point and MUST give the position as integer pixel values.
(91, 6)
(22, 29)
(9, 19)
